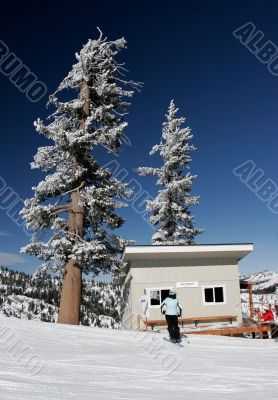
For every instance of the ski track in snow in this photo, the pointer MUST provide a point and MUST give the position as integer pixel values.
(92, 363)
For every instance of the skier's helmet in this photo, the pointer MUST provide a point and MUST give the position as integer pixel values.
(172, 294)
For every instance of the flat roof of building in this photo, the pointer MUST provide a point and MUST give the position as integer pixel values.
(229, 250)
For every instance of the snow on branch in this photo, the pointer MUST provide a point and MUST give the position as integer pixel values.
(89, 109)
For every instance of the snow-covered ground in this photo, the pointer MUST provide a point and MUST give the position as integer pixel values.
(68, 362)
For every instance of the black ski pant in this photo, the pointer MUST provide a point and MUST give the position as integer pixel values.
(173, 327)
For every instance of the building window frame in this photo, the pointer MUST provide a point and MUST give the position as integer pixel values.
(149, 290)
(214, 303)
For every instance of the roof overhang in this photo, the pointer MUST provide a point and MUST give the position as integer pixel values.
(234, 251)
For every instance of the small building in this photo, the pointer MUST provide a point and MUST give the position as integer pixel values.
(205, 278)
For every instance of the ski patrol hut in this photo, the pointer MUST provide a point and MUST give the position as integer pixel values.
(205, 278)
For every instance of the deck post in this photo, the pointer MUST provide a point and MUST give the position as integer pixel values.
(251, 304)
(259, 321)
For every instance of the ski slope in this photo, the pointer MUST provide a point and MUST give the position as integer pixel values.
(81, 362)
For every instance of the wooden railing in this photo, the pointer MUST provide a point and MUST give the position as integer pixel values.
(189, 320)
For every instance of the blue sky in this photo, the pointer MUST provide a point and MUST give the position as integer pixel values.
(181, 50)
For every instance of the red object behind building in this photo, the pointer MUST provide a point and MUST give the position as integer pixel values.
(268, 316)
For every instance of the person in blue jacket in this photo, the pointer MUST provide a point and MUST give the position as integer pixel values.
(172, 310)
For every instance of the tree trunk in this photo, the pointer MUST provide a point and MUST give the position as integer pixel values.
(70, 301)
(69, 312)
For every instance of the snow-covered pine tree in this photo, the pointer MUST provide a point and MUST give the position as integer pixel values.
(77, 200)
(170, 209)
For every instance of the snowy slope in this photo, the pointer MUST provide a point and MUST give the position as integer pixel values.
(266, 280)
(91, 363)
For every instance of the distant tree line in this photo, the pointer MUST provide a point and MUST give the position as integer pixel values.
(100, 303)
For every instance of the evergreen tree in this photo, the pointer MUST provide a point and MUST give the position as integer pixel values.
(170, 209)
(77, 200)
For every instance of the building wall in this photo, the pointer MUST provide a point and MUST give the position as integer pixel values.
(207, 272)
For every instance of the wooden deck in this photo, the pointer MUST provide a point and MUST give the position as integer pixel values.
(249, 325)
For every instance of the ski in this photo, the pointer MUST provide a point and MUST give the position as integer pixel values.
(176, 343)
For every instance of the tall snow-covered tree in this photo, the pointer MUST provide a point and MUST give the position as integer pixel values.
(77, 201)
(171, 208)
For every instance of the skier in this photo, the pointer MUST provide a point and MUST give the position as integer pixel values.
(172, 309)
(268, 315)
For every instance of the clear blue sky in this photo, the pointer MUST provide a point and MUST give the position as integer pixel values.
(180, 49)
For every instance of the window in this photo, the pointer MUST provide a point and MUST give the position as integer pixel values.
(214, 294)
(218, 295)
(157, 296)
(164, 294)
(209, 295)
